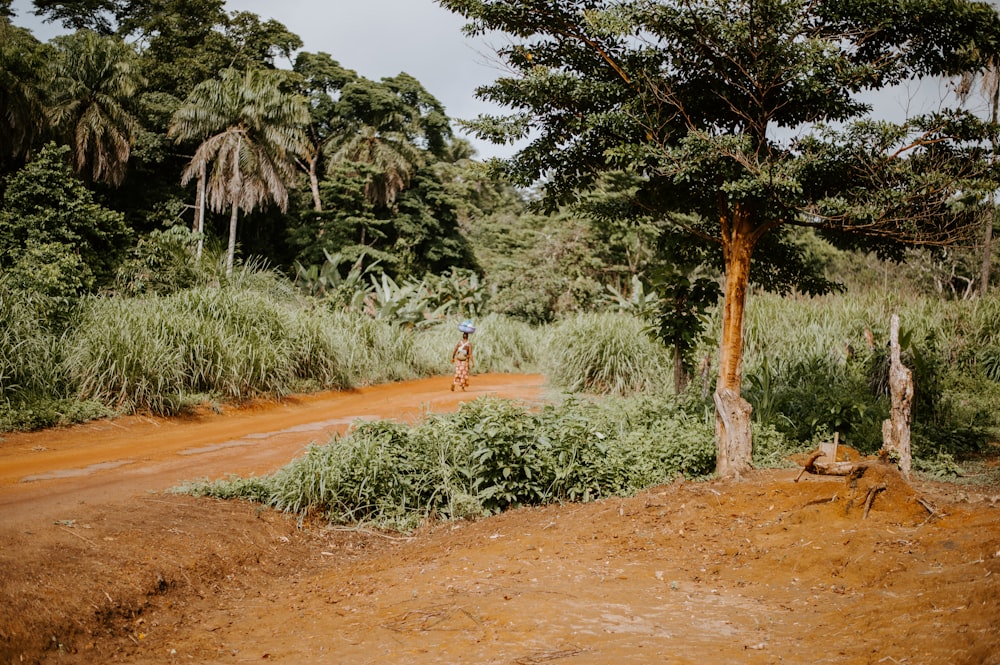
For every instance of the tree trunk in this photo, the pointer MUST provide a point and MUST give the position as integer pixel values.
(984, 274)
(231, 250)
(681, 377)
(732, 429)
(732, 416)
(200, 221)
(314, 182)
(896, 430)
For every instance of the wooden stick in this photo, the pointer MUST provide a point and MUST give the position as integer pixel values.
(809, 463)
(872, 491)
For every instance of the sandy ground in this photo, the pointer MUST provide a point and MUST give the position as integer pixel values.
(98, 563)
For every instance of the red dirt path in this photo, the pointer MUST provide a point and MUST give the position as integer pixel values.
(98, 564)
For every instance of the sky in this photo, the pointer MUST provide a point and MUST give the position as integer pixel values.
(380, 38)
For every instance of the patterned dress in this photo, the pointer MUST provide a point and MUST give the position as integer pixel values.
(462, 357)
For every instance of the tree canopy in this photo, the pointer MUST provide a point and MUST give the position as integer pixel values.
(110, 88)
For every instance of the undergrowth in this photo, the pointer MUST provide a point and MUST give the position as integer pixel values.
(491, 455)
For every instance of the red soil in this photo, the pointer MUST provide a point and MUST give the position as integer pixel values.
(98, 564)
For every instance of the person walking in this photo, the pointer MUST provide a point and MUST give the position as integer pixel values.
(461, 356)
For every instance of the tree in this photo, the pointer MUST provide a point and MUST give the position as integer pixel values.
(250, 132)
(257, 43)
(96, 78)
(180, 42)
(745, 115)
(393, 126)
(378, 132)
(990, 86)
(54, 238)
(96, 15)
(425, 229)
(322, 80)
(22, 74)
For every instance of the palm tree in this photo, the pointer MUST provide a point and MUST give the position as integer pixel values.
(390, 154)
(250, 132)
(95, 80)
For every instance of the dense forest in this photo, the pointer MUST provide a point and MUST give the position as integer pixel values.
(185, 217)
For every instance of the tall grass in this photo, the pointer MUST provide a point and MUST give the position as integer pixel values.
(28, 358)
(234, 341)
(251, 336)
(605, 354)
(34, 389)
(818, 364)
(157, 353)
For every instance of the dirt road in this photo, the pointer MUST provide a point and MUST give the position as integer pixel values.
(43, 474)
(98, 564)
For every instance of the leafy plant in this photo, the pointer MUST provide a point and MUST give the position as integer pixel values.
(489, 456)
(162, 262)
(73, 243)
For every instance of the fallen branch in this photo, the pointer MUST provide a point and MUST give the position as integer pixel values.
(809, 463)
(823, 467)
(836, 468)
(872, 491)
(927, 506)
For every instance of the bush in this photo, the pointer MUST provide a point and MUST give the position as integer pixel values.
(161, 263)
(489, 456)
(73, 242)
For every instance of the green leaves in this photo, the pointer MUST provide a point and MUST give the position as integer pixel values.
(22, 79)
(91, 106)
(692, 97)
(251, 131)
(490, 456)
(52, 231)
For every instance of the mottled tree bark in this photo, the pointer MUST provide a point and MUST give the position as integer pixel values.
(732, 418)
(896, 430)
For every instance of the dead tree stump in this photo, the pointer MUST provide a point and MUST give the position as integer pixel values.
(896, 430)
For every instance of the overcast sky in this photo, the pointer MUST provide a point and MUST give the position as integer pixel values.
(379, 38)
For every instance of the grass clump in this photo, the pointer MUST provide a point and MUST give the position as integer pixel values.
(239, 340)
(605, 354)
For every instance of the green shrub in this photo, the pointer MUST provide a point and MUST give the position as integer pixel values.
(162, 262)
(489, 456)
(509, 463)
